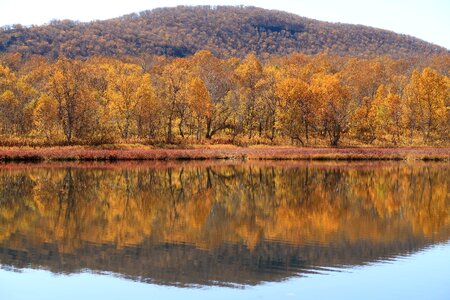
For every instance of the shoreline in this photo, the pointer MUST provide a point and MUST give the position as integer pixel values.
(225, 153)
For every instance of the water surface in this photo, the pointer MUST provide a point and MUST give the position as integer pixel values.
(208, 229)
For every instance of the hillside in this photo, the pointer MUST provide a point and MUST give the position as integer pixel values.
(225, 31)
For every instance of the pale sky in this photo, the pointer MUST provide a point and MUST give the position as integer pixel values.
(425, 19)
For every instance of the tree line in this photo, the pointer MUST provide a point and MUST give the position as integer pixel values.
(296, 99)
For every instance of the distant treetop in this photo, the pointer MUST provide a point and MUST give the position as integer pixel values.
(225, 31)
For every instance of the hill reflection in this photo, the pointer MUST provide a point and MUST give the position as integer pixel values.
(218, 223)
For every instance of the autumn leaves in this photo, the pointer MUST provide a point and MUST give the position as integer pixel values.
(298, 99)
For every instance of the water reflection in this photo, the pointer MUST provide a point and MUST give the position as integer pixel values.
(218, 223)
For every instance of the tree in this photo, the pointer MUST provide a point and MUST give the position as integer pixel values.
(45, 117)
(426, 99)
(16, 101)
(385, 115)
(217, 79)
(128, 87)
(269, 102)
(394, 118)
(68, 85)
(172, 81)
(149, 119)
(335, 106)
(248, 75)
(364, 77)
(297, 105)
(199, 103)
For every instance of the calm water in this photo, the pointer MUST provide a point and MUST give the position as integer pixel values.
(225, 230)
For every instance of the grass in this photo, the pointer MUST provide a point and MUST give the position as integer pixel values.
(226, 152)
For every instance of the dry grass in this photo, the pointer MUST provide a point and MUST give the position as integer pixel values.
(229, 153)
(171, 164)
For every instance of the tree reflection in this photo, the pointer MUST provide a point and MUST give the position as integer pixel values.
(239, 223)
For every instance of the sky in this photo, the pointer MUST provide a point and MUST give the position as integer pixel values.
(425, 19)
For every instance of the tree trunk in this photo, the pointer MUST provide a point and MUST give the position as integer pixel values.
(169, 131)
(208, 129)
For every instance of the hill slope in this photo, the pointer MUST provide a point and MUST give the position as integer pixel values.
(226, 31)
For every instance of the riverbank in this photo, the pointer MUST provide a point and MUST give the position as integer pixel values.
(77, 153)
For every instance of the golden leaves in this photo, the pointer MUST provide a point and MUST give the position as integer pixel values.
(286, 100)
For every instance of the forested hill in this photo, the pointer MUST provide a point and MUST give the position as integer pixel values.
(226, 31)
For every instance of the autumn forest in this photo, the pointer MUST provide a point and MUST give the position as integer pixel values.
(293, 100)
(246, 76)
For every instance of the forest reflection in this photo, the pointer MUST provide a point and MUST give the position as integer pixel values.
(218, 223)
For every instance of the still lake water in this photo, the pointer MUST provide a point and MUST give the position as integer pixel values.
(221, 230)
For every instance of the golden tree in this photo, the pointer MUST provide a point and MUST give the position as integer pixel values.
(335, 106)
(427, 100)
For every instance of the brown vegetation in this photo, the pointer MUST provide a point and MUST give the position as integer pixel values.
(225, 153)
(225, 31)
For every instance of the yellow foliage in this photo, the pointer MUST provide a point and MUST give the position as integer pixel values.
(294, 99)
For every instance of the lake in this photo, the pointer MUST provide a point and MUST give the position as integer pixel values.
(225, 229)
